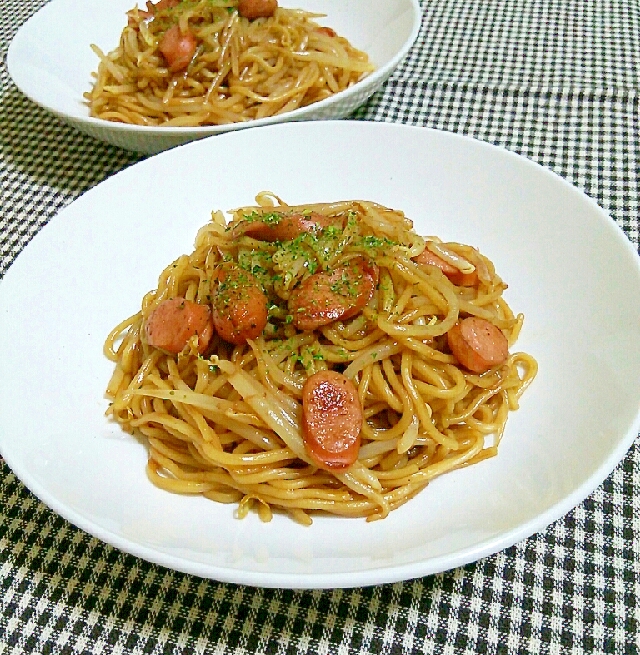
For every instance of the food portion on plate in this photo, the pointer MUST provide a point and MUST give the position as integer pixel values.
(190, 63)
(317, 358)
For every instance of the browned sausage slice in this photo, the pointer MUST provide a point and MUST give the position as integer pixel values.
(283, 227)
(331, 296)
(257, 8)
(331, 420)
(328, 31)
(240, 307)
(178, 48)
(478, 344)
(173, 322)
(454, 274)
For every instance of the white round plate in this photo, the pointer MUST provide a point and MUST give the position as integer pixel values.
(569, 268)
(50, 61)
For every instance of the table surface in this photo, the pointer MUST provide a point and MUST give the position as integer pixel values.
(557, 81)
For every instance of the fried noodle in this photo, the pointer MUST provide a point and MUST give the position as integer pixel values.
(226, 423)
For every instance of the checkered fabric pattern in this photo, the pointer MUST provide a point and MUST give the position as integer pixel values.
(555, 80)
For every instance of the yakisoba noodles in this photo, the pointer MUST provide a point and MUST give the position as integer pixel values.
(218, 370)
(186, 63)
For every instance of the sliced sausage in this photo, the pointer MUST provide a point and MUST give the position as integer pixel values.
(178, 48)
(173, 322)
(331, 420)
(257, 8)
(478, 344)
(331, 296)
(283, 227)
(327, 31)
(240, 307)
(454, 274)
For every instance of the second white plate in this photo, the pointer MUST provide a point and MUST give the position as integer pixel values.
(50, 60)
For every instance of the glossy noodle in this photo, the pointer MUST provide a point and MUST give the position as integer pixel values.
(227, 420)
(201, 62)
